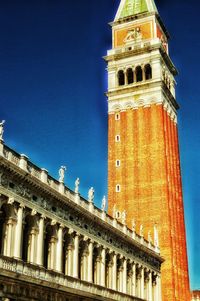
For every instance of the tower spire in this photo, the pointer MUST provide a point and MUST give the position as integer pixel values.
(129, 8)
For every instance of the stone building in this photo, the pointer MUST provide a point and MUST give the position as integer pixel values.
(144, 176)
(196, 296)
(57, 246)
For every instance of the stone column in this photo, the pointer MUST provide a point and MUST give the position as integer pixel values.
(52, 249)
(18, 233)
(142, 283)
(76, 256)
(33, 245)
(69, 259)
(59, 250)
(133, 282)
(90, 261)
(156, 289)
(98, 269)
(120, 271)
(150, 287)
(124, 281)
(138, 281)
(103, 267)
(9, 237)
(109, 279)
(114, 272)
(40, 245)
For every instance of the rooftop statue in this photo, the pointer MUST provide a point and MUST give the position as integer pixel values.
(62, 174)
(141, 231)
(103, 205)
(124, 214)
(2, 129)
(91, 195)
(77, 183)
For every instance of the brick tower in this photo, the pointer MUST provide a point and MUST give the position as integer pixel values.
(144, 175)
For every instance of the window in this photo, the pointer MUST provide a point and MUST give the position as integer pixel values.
(130, 76)
(117, 116)
(118, 188)
(138, 73)
(121, 78)
(117, 138)
(148, 72)
(118, 163)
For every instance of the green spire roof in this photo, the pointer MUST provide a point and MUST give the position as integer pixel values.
(134, 7)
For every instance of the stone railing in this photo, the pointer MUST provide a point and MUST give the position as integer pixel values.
(23, 162)
(134, 46)
(29, 272)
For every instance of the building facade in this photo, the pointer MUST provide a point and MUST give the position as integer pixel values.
(196, 296)
(57, 246)
(144, 176)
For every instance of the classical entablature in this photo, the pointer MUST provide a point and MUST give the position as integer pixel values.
(50, 234)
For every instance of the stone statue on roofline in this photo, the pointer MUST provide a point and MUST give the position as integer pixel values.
(124, 214)
(62, 171)
(77, 184)
(149, 237)
(91, 195)
(141, 231)
(103, 205)
(133, 225)
(114, 211)
(156, 240)
(2, 129)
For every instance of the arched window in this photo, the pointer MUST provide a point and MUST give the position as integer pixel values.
(121, 78)
(148, 72)
(138, 73)
(130, 76)
(117, 116)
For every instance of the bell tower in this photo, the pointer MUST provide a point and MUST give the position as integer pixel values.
(144, 176)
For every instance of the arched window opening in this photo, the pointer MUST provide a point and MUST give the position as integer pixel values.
(148, 72)
(121, 78)
(130, 76)
(138, 72)
(117, 116)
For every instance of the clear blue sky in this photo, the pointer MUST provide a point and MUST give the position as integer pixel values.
(52, 84)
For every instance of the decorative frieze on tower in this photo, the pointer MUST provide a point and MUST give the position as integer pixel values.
(144, 177)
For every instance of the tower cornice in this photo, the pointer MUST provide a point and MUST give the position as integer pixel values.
(126, 90)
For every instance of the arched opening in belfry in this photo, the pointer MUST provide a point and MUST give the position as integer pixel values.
(138, 73)
(148, 71)
(121, 78)
(130, 76)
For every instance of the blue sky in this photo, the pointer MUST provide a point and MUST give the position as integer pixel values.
(52, 84)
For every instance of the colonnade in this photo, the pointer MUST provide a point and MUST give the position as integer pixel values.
(39, 240)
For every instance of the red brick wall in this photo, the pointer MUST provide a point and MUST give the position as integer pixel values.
(151, 190)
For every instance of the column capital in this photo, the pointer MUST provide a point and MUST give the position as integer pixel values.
(22, 205)
(11, 201)
(33, 212)
(85, 238)
(61, 226)
(71, 231)
(53, 222)
(42, 216)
